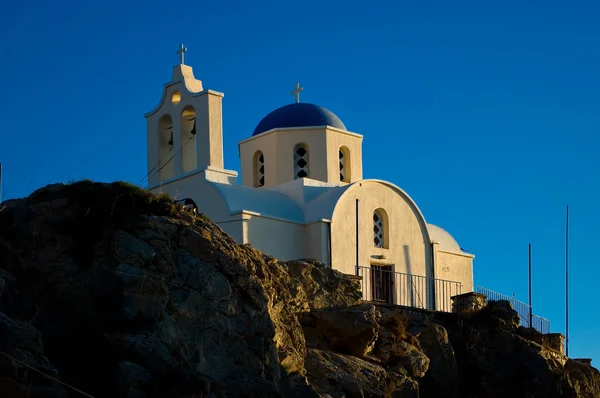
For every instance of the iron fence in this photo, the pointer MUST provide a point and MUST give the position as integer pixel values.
(382, 284)
(524, 310)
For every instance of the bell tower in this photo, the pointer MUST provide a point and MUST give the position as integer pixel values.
(185, 130)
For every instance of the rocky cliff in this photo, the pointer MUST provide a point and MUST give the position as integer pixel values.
(108, 291)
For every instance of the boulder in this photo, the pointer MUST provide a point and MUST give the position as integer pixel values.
(441, 378)
(348, 330)
(317, 285)
(585, 378)
(336, 375)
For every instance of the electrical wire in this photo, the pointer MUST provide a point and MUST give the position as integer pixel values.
(46, 375)
(4, 195)
(157, 163)
(163, 166)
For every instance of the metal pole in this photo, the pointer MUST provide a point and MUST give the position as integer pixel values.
(0, 182)
(530, 305)
(357, 238)
(567, 282)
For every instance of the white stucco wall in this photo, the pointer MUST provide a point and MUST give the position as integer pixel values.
(316, 241)
(278, 146)
(353, 142)
(450, 262)
(454, 275)
(408, 246)
(209, 127)
(278, 149)
(455, 267)
(267, 144)
(280, 239)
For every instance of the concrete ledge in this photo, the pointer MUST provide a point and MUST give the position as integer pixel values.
(468, 302)
(555, 341)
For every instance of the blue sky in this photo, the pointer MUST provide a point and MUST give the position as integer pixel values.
(486, 113)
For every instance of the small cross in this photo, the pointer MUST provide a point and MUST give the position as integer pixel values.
(182, 50)
(296, 92)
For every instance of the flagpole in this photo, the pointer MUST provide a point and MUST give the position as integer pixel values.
(530, 305)
(357, 258)
(0, 182)
(567, 281)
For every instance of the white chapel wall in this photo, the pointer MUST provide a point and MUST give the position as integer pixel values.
(267, 144)
(352, 143)
(281, 239)
(278, 148)
(408, 249)
(455, 267)
(314, 140)
(209, 125)
(316, 241)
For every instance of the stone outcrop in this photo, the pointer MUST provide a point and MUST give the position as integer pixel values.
(113, 292)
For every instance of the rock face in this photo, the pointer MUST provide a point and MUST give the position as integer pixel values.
(113, 292)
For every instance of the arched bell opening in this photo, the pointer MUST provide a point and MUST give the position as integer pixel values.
(189, 160)
(166, 166)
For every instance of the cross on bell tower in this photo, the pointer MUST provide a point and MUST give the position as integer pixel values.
(297, 91)
(182, 50)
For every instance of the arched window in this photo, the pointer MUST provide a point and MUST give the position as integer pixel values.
(301, 167)
(259, 169)
(164, 169)
(187, 134)
(380, 228)
(344, 155)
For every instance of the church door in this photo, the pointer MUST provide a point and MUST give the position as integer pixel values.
(382, 283)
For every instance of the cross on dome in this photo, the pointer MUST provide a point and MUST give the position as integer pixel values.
(297, 91)
(182, 50)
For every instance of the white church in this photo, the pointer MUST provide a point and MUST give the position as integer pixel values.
(302, 194)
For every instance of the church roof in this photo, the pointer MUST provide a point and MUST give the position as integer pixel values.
(446, 241)
(262, 201)
(298, 115)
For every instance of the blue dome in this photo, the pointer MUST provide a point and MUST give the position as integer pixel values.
(298, 115)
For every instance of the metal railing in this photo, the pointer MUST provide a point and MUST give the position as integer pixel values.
(380, 283)
(542, 325)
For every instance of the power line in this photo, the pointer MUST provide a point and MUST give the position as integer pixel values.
(3, 193)
(157, 163)
(16, 175)
(163, 166)
(180, 149)
(46, 375)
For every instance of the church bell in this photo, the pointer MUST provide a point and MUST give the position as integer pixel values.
(194, 128)
(171, 140)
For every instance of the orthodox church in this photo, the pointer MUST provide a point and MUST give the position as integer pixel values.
(301, 194)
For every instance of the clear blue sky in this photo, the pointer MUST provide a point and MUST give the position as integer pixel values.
(486, 113)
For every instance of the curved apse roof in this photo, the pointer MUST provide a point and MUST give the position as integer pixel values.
(446, 241)
(298, 115)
